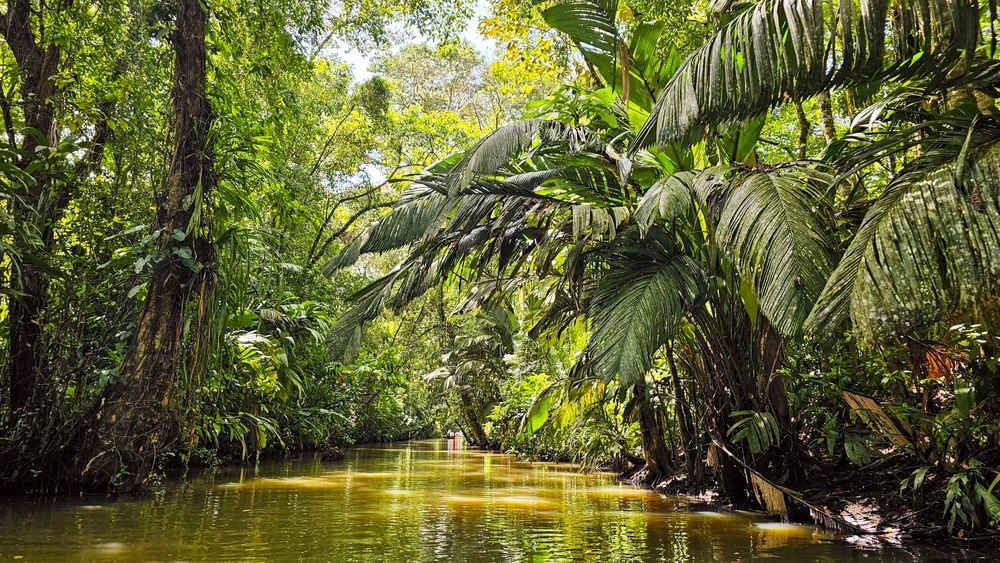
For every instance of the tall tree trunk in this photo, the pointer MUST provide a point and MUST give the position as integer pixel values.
(826, 117)
(138, 422)
(780, 463)
(805, 129)
(37, 65)
(654, 447)
(478, 437)
(771, 384)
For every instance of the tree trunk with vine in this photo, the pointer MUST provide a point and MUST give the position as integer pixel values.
(138, 421)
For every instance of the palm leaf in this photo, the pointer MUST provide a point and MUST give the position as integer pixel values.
(591, 24)
(419, 212)
(773, 226)
(345, 334)
(788, 49)
(929, 247)
(495, 151)
(665, 200)
(483, 227)
(631, 70)
(638, 304)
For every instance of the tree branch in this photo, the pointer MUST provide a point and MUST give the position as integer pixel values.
(326, 146)
(314, 258)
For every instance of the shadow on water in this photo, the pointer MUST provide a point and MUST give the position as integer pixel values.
(416, 502)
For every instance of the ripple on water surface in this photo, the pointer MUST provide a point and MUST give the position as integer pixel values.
(407, 503)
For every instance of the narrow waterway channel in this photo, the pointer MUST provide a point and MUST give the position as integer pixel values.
(409, 503)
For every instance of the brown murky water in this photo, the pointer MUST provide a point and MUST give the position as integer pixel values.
(408, 503)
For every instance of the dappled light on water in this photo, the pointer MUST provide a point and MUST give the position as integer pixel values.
(407, 503)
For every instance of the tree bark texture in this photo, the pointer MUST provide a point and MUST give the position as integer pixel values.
(478, 437)
(805, 129)
(654, 446)
(36, 64)
(826, 117)
(137, 422)
(683, 415)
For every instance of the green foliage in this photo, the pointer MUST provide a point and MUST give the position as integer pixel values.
(758, 429)
(779, 50)
(969, 501)
(295, 143)
(923, 251)
(638, 305)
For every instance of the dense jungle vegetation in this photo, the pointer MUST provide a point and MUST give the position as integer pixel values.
(748, 246)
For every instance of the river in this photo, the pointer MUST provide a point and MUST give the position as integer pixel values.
(410, 503)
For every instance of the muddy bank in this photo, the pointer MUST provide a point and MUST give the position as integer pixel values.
(872, 505)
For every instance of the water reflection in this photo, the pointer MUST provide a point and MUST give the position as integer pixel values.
(412, 503)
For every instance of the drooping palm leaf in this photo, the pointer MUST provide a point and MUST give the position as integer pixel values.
(510, 142)
(792, 49)
(638, 303)
(665, 200)
(773, 226)
(929, 246)
(417, 213)
(345, 334)
(424, 208)
(485, 228)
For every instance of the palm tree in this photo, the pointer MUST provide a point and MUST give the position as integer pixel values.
(640, 243)
(927, 246)
(724, 264)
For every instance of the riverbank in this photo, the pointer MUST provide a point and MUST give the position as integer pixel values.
(874, 499)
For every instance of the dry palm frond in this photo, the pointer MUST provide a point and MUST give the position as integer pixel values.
(877, 418)
(713, 457)
(769, 496)
(770, 492)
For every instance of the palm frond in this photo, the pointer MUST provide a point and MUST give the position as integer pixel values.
(499, 148)
(789, 49)
(638, 303)
(631, 70)
(418, 213)
(665, 200)
(591, 25)
(929, 247)
(773, 226)
(345, 334)
(597, 221)
(484, 228)
(589, 182)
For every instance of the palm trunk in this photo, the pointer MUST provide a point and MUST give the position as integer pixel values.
(138, 423)
(654, 447)
(805, 129)
(479, 437)
(682, 412)
(771, 384)
(826, 117)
